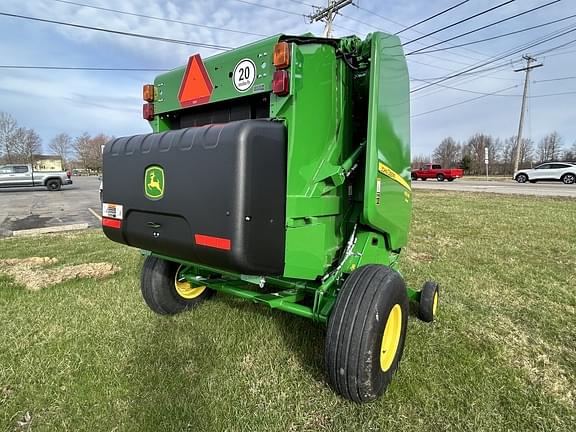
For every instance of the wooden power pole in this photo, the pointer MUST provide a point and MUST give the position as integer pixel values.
(527, 69)
(328, 14)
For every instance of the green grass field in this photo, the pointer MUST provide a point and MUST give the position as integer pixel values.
(87, 355)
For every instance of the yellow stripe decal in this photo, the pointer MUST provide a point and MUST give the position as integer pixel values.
(389, 172)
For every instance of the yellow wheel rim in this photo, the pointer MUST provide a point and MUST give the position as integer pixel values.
(435, 304)
(391, 338)
(184, 289)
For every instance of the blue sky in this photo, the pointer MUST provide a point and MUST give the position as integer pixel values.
(110, 102)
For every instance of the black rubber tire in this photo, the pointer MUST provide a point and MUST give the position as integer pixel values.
(521, 178)
(54, 185)
(355, 330)
(426, 304)
(440, 177)
(568, 178)
(414, 178)
(157, 286)
(424, 179)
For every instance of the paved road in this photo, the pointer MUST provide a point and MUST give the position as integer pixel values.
(501, 187)
(25, 208)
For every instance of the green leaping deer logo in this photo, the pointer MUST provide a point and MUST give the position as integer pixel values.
(154, 182)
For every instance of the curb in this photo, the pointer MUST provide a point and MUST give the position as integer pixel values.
(46, 230)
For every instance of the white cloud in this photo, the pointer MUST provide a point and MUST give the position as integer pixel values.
(73, 101)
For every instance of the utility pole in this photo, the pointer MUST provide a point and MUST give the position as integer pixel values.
(328, 14)
(529, 66)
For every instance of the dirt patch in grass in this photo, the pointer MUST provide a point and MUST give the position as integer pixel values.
(31, 273)
(534, 356)
(419, 256)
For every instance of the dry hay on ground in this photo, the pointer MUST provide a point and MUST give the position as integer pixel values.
(31, 273)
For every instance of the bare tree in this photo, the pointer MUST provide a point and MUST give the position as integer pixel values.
(447, 153)
(509, 150)
(88, 150)
(550, 147)
(420, 159)
(28, 144)
(61, 145)
(8, 128)
(474, 148)
(570, 155)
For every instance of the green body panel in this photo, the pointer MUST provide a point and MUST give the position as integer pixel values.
(389, 209)
(219, 68)
(317, 114)
(348, 196)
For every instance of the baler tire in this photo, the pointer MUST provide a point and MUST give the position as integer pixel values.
(358, 328)
(428, 304)
(158, 288)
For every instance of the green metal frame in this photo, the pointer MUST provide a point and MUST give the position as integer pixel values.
(308, 299)
(333, 224)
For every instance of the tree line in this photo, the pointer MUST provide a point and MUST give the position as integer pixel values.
(19, 144)
(470, 153)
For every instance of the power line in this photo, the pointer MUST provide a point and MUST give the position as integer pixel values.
(468, 91)
(557, 47)
(494, 37)
(463, 102)
(159, 18)
(496, 58)
(460, 22)
(431, 17)
(426, 49)
(138, 35)
(260, 5)
(376, 14)
(555, 79)
(83, 68)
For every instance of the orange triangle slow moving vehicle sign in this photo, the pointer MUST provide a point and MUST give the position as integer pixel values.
(196, 87)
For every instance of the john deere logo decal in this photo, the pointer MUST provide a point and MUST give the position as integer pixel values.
(154, 182)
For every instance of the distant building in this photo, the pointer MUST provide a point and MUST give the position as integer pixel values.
(48, 163)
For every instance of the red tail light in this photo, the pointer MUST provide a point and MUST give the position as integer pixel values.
(148, 111)
(281, 83)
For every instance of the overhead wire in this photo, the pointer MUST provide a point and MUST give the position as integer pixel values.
(426, 49)
(432, 17)
(151, 17)
(122, 33)
(494, 37)
(462, 102)
(499, 57)
(84, 68)
(446, 27)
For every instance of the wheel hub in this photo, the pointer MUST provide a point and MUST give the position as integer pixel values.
(391, 338)
(184, 288)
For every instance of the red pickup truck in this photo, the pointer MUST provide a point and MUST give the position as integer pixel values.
(436, 171)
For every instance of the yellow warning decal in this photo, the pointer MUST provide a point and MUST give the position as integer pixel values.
(389, 172)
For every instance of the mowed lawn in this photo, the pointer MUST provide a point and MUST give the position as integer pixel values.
(87, 355)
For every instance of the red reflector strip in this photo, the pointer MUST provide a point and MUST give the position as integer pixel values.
(215, 242)
(111, 223)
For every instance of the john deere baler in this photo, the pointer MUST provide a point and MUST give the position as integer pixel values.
(279, 172)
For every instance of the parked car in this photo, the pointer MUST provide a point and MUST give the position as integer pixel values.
(436, 171)
(558, 171)
(21, 175)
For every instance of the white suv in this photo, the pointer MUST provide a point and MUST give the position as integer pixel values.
(561, 171)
